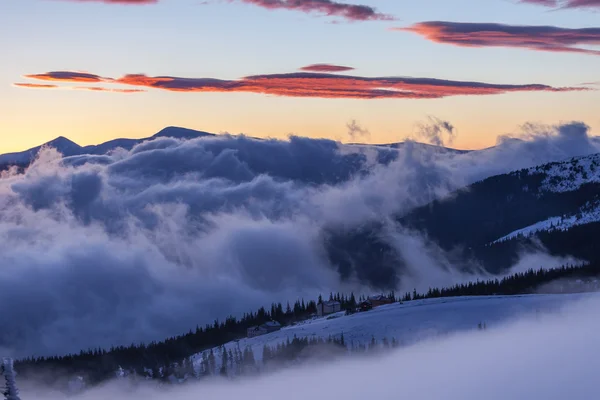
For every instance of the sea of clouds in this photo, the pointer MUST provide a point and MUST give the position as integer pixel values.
(143, 244)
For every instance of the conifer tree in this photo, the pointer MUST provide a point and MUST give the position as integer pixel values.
(224, 362)
(238, 361)
(205, 370)
(212, 364)
(266, 354)
(231, 361)
(10, 390)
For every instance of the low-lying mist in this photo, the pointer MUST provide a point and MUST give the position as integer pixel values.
(140, 245)
(546, 356)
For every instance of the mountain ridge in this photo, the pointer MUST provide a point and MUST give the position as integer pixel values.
(68, 147)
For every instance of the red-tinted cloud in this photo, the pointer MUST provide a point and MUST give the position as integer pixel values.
(35, 86)
(565, 3)
(351, 12)
(321, 85)
(90, 88)
(102, 89)
(68, 76)
(541, 38)
(326, 68)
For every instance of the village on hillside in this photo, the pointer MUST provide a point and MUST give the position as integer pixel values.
(324, 308)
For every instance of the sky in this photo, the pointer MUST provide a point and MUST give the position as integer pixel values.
(94, 70)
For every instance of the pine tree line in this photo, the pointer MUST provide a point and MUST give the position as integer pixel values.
(531, 281)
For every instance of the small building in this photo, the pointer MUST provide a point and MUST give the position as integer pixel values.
(271, 326)
(328, 307)
(365, 306)
(379, 300)
(263, 329)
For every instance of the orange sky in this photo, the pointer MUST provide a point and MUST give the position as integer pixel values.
(191, 41)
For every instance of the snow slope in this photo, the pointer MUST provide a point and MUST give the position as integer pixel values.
(586, 215)
(410, 322)
(569, 175)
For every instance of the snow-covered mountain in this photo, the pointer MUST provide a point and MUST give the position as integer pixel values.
(554, 202)
(563, 177)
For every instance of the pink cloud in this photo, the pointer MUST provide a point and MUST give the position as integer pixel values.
(35, 86)
(540, 38)
(317, 85)
(102, 89)
(68, 76)
(351, 12)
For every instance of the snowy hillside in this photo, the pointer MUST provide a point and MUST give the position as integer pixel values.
(569, 175)
(563, 177)
(409, 322)
(586, 215)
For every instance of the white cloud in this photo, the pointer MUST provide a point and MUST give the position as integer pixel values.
(177, 233)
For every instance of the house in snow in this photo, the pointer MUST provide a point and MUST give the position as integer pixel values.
(263, 329)
(364, 306)
(379, 300)
(328, 307)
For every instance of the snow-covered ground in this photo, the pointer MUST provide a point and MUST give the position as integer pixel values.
(586, 215)
(569, 175)
(412, 321)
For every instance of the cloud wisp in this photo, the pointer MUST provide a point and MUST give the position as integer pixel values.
(331, 8)
(326, 68)
(590, 4)
(103, 89)
(349, 12)
(540, 38)
(312, 84)
(35, 85)
(69, 76)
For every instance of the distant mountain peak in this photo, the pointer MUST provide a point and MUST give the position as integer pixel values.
(180, 133)
(65, 146)
(68, 148)
(61, 140)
